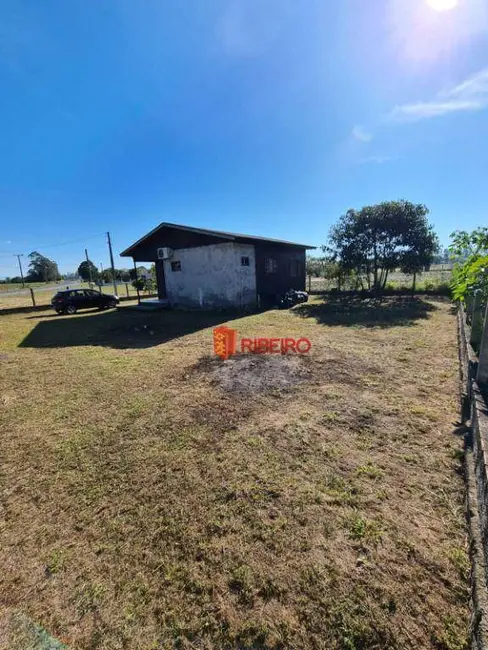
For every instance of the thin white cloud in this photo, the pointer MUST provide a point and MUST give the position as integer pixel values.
(377, 160)
(468, 96)
(361, 134)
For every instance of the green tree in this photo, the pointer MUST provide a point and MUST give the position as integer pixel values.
(314, 267)
(466, 244)
(143, 284)
(106, 275)
(422, 244)
(470, 273)
(377, 239)
(142, 271)
(42, 269)
(88, 271)
(120, 274)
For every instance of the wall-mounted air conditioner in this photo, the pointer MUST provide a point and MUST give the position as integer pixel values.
(165, 253)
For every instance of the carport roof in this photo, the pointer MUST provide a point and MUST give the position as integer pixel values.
(229, 236)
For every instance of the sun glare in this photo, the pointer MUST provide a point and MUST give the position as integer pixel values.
(442, 5)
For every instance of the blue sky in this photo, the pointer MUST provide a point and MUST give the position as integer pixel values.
(269, 117)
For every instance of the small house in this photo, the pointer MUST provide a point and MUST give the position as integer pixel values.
(201, 268)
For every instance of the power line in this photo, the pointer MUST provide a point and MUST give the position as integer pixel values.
(72, 241)
(64, 243)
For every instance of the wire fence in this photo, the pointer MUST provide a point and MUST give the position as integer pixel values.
(428, 280)
(40, 295)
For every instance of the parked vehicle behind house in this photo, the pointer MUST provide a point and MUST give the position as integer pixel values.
(70, 300)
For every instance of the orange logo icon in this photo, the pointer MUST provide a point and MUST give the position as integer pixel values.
(225, 341)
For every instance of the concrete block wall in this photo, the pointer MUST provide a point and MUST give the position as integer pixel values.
(212, 276)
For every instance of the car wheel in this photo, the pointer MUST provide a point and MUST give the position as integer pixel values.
(71, 309)
(59, 311)
(112, 304)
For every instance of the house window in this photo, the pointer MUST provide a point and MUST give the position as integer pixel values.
(245, 261)
(295, 268)
(270, 265)
(176, 266)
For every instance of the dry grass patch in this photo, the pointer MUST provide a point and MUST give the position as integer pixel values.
(150, 502)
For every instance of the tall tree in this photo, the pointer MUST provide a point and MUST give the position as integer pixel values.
(88, 271)
(42, 269)
(380, 238)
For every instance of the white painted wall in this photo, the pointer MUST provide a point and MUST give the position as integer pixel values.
(212, 276)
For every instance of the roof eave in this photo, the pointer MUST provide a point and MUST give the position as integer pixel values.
(175, 226)
(212, 233)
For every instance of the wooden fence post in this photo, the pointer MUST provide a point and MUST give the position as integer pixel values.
(32, 296)
(482, 374)
(476, 322)
(469, 307)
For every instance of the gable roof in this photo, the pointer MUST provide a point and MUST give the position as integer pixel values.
(229, 236)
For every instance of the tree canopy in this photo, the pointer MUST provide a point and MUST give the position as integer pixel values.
(380, 238)
(120, 274)
(88, 271)
(465, 244)
(471, 273)
(42, 269)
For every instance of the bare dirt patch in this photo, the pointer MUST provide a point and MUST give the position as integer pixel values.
(257, 373)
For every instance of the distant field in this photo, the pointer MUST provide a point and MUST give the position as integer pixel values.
(154, 496)
(43, 293)
(14, 286)
(439, 275)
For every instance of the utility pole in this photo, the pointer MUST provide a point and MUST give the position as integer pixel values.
(20, 267)
(137, 286)
(112, 262)
(89, 267)
(100, 279)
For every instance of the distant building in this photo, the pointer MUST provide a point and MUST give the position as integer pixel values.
(196, 267)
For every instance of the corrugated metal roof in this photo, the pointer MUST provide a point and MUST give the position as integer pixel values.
(232, 236)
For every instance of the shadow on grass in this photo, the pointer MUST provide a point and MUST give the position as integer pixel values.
(120, 329)
(367, 312)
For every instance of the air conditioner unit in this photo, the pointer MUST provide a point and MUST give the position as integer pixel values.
(165, 253)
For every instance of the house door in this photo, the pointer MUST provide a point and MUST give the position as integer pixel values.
(160, 280)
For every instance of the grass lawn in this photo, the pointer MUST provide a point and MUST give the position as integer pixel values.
(5, 287)
(155, 497)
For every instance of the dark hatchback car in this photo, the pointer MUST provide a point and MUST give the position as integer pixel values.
(70, 300)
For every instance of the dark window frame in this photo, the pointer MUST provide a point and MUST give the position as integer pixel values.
(245, 260)
(176, 266)
(270, 265)
(295, 269)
